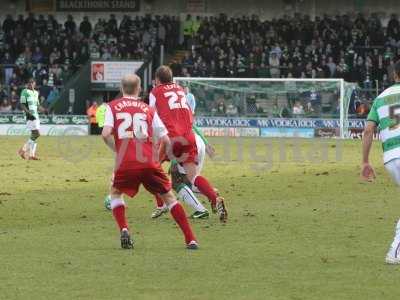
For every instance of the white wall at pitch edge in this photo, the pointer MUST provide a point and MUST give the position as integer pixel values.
(51, 130)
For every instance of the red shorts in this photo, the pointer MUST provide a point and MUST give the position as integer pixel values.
(184, 149)
(153, 179)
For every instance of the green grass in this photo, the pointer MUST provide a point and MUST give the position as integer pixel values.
(297, 230)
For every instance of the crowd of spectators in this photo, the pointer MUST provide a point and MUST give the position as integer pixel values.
(357, 48)
(265, 99)
(49, 51)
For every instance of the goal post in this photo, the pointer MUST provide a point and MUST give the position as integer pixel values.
(273, 98)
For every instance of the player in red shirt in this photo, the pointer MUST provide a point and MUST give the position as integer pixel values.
(169, 99)
(131, 130)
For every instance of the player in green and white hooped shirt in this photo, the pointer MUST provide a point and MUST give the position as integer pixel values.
(30, 105)
(385, 114)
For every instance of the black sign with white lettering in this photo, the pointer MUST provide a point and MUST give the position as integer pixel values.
(98, 5)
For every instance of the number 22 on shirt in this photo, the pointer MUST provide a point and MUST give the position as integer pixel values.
(176, 100)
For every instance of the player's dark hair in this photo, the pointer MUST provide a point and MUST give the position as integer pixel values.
(396, 69)
(164, 74)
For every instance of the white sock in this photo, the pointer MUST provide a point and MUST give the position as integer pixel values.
(33, 148)
(394, 247)
(115, 202)
(171, 205)
(398, 229)
(30, 147)
(195, 189)
(187, 196)
(26, 145)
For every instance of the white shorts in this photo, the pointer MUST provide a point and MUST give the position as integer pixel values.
(33, 125)
(393, 167)
(201, 154)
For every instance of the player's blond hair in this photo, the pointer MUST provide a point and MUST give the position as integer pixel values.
(130, 85)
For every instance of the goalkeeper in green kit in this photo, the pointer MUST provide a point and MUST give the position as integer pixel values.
(30, 104)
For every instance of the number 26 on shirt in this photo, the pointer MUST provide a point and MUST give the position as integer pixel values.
(176, 100)
(137, 122)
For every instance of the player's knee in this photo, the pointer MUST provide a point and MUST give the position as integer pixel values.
(115, 193)
(178, 180)
(117, 202)
(175, 185)
(193, 180)
(35, 135)
(116, 198)
(191, 171)
(168, 198)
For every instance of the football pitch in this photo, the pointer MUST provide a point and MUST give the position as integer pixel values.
(300, 227)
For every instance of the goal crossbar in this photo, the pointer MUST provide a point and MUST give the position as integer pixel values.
(259, 79)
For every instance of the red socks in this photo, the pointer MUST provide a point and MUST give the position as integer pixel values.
(178, 213)
(206, 189)
(119, 216)
(160, 202)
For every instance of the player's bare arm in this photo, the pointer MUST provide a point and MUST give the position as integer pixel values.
(367, 171)
(25, 109)
(108, 137)
(165, 147)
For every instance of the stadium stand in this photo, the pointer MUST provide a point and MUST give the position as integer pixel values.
(51, 52)
(357, 49)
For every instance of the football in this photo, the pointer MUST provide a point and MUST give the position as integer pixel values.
(107, 202)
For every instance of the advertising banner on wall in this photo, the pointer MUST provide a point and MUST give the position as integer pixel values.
(231, 132)
(52, 130)
(278, 127)
(327, 132)
(45, 119)
(98, 5)
(56, 125)
(287, 132)
(275, 122)
(111, 72)
(357, 133)
(14, 124)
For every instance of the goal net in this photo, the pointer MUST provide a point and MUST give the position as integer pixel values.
(272, 98)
